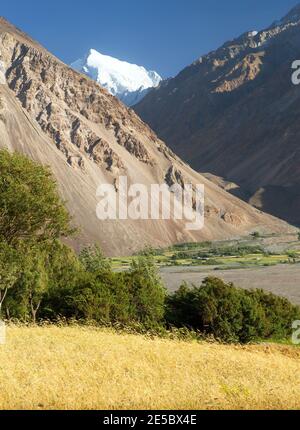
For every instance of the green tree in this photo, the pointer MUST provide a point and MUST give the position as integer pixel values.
(32, 220)
(292, 256)
(9, 271)
(30, 206)
(34, 281)
(93, 260)
(147, 290)
(48, 267)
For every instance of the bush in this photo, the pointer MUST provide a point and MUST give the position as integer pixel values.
(146, 289)
(43, 272)
(106, 297)
(101, 299)
(93, 260)
(230, 314)
(278, 315)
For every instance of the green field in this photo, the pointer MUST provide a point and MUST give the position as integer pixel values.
(243, 253)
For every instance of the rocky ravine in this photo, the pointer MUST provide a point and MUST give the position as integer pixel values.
(63, 119)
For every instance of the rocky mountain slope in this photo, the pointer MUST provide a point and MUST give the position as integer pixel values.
(129, 82)
(235, 114)
(64, 119)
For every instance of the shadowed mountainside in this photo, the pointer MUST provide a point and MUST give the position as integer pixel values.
(235, 114)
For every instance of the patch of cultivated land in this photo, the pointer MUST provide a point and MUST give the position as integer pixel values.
(283, 279)
(86, 368)
(270, 262)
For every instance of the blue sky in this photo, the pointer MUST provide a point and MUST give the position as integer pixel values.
(163, 35)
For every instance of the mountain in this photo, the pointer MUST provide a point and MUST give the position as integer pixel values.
(129, 82)
(235, 114)
(64, 119)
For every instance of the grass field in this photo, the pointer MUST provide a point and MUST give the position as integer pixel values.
(86, 368)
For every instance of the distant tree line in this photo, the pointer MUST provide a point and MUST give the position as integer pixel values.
(43, 279)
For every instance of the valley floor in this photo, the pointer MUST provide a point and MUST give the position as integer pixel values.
(87, 368)
(283, 279)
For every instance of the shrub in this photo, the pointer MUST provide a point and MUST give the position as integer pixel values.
(103, 296)
(101, 299)
(278, 316)
(146, 289)
(230, 314)
(93, 260)
(44, 272)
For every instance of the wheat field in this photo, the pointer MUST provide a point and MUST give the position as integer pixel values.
(88, 368)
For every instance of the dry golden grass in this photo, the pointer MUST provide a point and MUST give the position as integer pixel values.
(86, 368)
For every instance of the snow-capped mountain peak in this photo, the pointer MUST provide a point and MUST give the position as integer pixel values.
(127, 81)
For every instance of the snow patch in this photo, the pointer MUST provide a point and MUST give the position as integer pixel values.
(127, 81)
